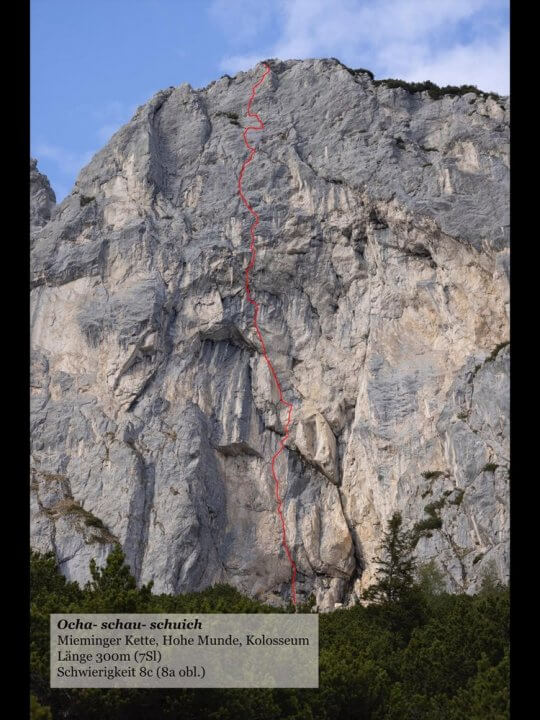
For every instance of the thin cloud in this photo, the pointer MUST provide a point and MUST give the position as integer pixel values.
(481, 64)
(60, 192)
(235, 63)
(105, 132)
(446, 41)
(64, 165)
(67, 162)
(112, 116)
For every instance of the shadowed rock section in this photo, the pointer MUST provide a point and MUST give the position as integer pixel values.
(381, 272)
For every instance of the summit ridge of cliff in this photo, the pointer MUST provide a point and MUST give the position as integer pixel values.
(382, 273)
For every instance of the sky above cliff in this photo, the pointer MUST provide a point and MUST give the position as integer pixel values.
(94, 63)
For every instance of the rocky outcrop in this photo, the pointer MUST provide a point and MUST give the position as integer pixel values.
(381, 270)
(42, 197)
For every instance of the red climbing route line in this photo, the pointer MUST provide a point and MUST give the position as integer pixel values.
(255, 304)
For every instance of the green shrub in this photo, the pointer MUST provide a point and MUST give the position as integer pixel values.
(451, 664)
(432, 522)
(431, 474)
(232, 116)
(435, 92)
(94, 522)
(37, 711)
(458, 498)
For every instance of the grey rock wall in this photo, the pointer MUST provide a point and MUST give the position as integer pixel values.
(42, 197)
(381, 271)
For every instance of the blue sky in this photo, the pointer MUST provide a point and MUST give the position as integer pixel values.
(93, 63)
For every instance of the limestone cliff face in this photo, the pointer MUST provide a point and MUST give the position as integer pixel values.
(381, 271)
(42, 197)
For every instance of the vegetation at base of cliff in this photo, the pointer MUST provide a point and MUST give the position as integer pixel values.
(414, 652)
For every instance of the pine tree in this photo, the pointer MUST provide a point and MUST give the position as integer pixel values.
(115, 576)
(397, 565)
(113, 587)
(37, 710)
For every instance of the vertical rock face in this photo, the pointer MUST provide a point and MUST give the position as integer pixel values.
(381, 271)
(42, 197)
